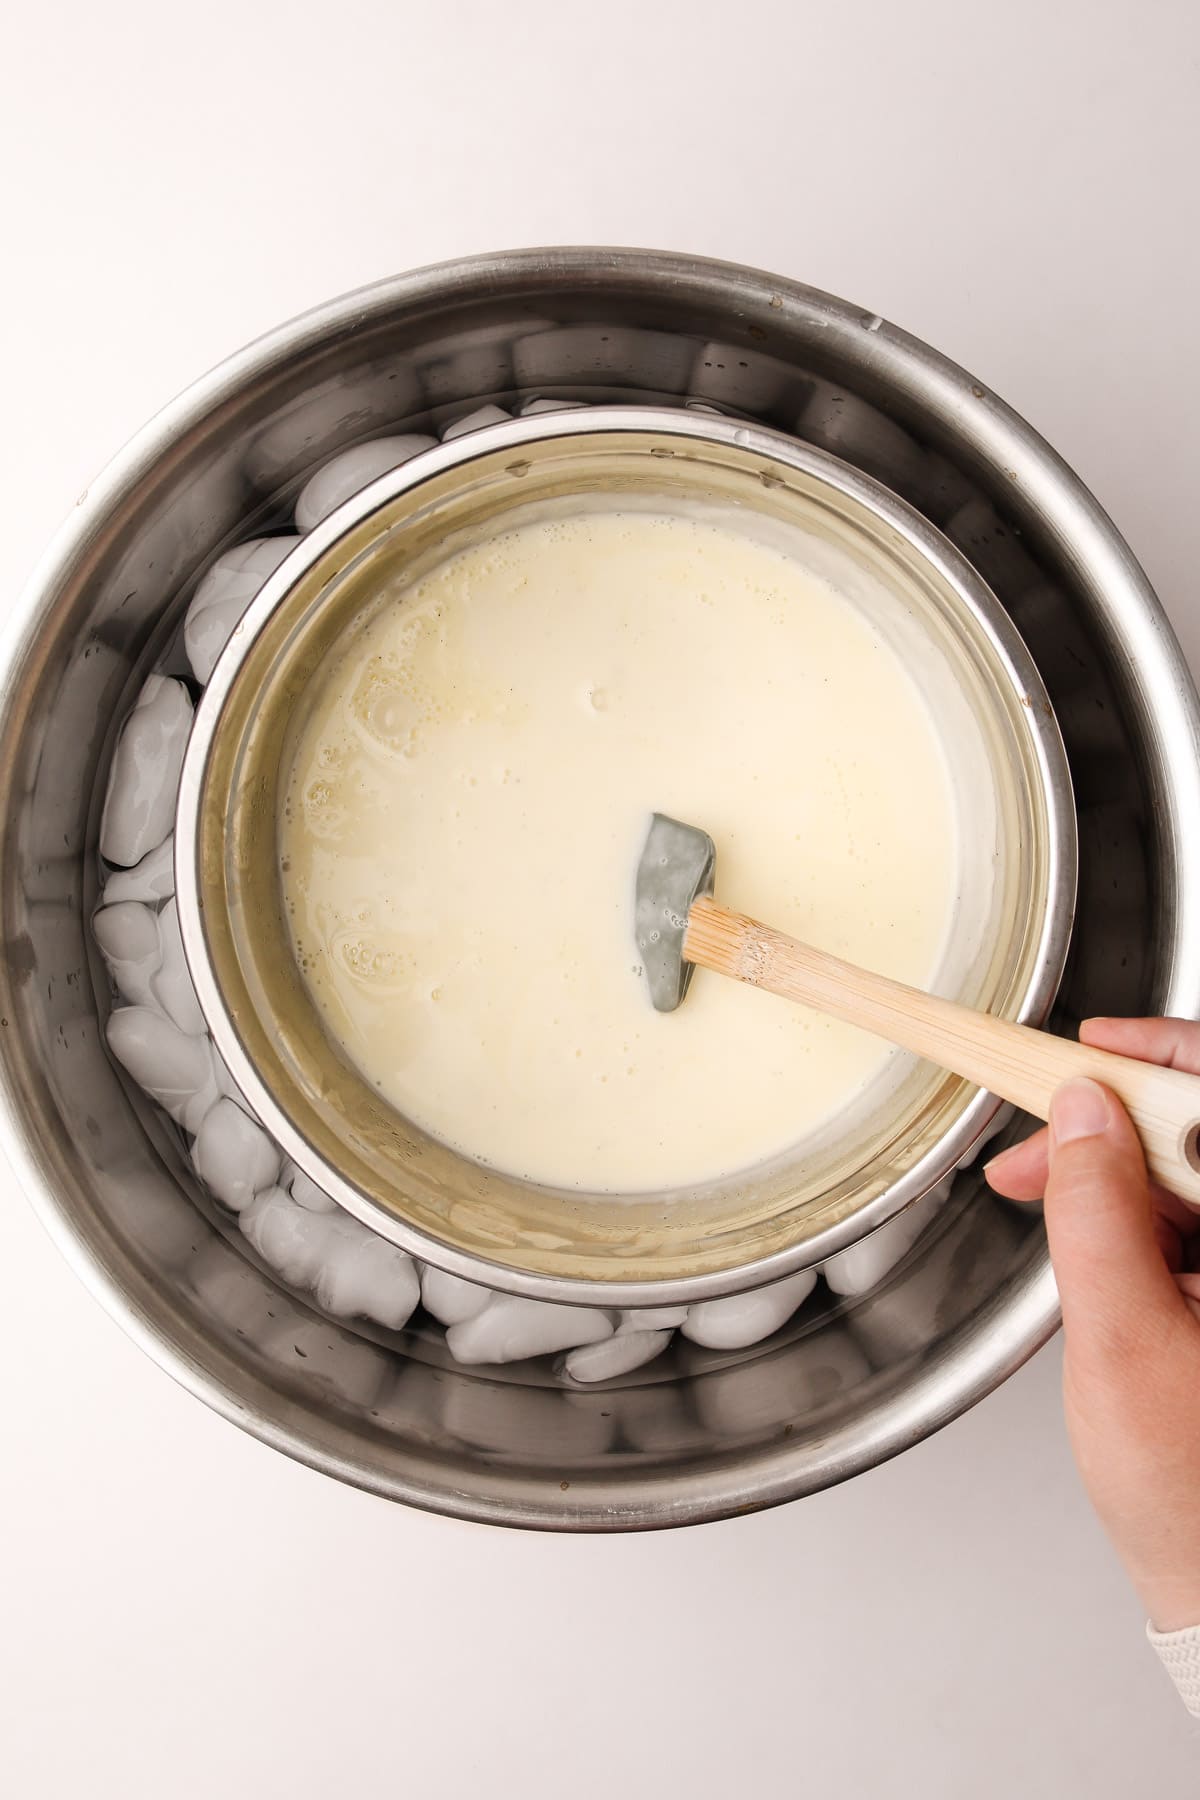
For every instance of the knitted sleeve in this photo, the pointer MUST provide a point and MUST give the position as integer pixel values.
(1180, 1653)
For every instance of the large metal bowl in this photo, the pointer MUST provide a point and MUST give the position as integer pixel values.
(696, 1435)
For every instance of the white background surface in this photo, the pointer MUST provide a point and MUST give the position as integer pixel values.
(186, 1612)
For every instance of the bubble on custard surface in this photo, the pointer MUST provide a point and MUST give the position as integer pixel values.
(386, 707)
(331, 755)
(372, 959)
(324, 814)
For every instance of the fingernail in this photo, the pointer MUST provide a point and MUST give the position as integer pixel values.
(1002, 1156)
(1078, 1110)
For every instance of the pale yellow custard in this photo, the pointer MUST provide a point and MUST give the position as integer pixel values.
(468, 801)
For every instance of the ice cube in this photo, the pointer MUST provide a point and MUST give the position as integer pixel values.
(223, 595)
(740, 1319)
(353, 470)
(510, 1328)
(176, 1070)
(475, 421)
(171, 983)
(449, 1298)
(150, 880)
(127, 934)
(139, 809)
(865, 1264)
(234, 1157)
(617, 1355)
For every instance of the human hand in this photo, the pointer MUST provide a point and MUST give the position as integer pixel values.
(1126, 1255)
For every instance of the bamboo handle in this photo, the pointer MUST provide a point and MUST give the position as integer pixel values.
(1013, 1061)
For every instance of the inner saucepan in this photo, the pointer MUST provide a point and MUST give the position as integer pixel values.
(1014, 856)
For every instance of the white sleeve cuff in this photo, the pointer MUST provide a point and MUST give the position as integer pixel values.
(1180, 1654)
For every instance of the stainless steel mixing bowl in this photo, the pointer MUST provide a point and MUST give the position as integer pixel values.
(697, 1434)
(1016, 873)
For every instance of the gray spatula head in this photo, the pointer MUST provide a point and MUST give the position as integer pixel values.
(677, 865)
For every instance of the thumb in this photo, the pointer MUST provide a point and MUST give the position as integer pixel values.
(1116, 1289)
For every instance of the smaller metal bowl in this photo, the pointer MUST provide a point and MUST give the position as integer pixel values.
(1005, 954)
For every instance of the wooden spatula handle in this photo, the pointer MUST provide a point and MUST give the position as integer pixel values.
(1014, 1061)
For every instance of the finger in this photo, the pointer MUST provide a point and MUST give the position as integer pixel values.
(1116, 1289)
(1019, 1173)
(1175, 1043)
(1170, 1241)
(1189, 1287)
